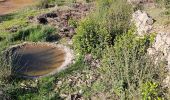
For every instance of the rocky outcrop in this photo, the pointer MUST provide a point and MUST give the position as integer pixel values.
(160, 50)
(161, 45)
(143, 22)
(136, 2)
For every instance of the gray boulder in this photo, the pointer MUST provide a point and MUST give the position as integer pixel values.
(143, 22)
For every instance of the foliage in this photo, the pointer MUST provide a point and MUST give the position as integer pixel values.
(150, 91)
(73, 23)
(126, 66)
(111, 18)
(90, 38)
(34, 33)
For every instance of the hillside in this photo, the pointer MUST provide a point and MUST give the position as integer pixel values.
(85, 50)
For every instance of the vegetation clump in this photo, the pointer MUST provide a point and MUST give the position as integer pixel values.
(100, 29)
(126, 68)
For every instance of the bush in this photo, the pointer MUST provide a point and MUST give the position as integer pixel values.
(34, 33)
(126, 67)
(95, 33)
(91, 38)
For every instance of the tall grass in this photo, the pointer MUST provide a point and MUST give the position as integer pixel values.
(34, 33)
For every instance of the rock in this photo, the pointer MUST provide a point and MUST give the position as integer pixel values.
(52, 38)
(166, 82)
(88, 58)
(143, 22)
(76, 97)
(1, 93)
(151, 51)
(59, 17)
(30, 17)
(161, 51)
(135, 2)
(42, 19)
(1, 38)
(64, 29)
(162, 43)
(51, 15)
(168, 59)
(13, 29)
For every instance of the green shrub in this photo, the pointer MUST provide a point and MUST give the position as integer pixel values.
(90, 38)
(95, 33)
(34, 33)
(126, 67)
(150, 91)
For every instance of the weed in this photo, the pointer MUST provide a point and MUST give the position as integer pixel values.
(150, 91)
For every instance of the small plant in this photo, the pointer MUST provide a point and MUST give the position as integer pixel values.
(150, 91)
(73, 23)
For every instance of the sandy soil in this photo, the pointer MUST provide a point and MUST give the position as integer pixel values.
(8, 6)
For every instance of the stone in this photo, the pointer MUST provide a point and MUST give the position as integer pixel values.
(42, 19)
(1, 93)
(151, 51)
(168, 59)
(135, 2)
(161, 52)
(143, 22)
(51, 15)
(88, 58)
(76, 97)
